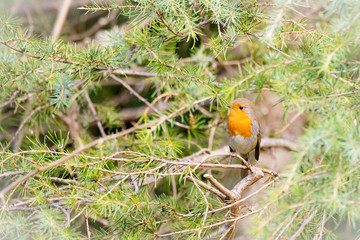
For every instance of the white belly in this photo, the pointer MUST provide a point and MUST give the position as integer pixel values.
(242, 145)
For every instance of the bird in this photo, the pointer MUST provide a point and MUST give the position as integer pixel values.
(243, 130)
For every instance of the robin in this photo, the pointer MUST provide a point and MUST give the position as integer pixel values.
(243, 130)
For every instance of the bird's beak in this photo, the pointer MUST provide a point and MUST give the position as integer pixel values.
(230, 106)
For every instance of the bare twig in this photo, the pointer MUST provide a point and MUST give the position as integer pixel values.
(269, 45)
(11, 98)
(204, 22)
(107, 8)
(66, 213)
(61, 17)
(297, 115)
(219, 186)
(136, 94)
(87, 225)
(351, 23)
(169, 27)
(129, 72)
(260, 71)
(212, 132)
(78, 215)
(303, 225)
(288, 224)
(173, 186)
(38, 109)
(132, 91)
(92, 108)
(207, 187)
(10, 174)
(212, 225)
(345, 81)
(321, 228)
(94, 28)
(179, 70)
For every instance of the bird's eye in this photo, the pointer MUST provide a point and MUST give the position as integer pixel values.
(241, 107)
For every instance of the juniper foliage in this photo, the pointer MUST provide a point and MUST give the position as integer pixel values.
(120, 185)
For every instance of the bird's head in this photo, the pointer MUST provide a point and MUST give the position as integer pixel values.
(241, 106)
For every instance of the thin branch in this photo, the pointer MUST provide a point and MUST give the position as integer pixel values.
(132, 91)
(212, 132)
(22, 51)
(237, 203)
(87, 225)
(107, 8)
(94, 28)
(169, 28)
(67, 215)
(219, 186)
(232, 195)
(212, 225)
(92, 108)
(78, 215)
(204, 22)
(303, 225)
(11, 98)
(351, 23)
(345, 81)
(288, 224)
(130, 72)
(179, 70)
(10, 174)
(321, 228)
(61, 17)
(136, 94)
(260, 71)
(207, 187)
(38, 109)
(269, 45)
(293, 119)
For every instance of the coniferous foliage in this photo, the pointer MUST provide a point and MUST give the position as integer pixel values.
(122, 138)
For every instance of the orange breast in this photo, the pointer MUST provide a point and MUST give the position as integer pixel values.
(239, 123)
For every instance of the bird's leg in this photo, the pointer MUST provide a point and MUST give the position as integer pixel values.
(246, 162)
